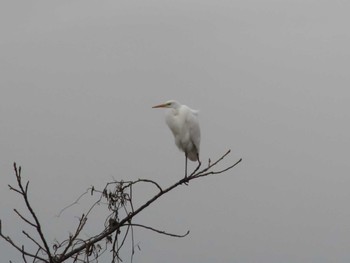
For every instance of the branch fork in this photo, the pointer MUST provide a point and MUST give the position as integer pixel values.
(118, 196)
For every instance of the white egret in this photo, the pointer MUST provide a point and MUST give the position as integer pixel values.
(183, 122)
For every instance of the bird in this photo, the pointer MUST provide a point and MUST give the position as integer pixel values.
(183, 123)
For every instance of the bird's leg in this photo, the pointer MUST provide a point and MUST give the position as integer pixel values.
(185, 164)
(198, 166)
(185, 179)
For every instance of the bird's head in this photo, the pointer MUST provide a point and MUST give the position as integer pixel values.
(169, 104)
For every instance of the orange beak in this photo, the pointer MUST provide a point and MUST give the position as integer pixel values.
(160, 106)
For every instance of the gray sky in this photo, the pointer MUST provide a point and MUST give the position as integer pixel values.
(271, 81)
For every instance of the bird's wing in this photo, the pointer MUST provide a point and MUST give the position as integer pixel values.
(193, 124)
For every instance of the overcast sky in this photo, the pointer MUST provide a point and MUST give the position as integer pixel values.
(271, 81)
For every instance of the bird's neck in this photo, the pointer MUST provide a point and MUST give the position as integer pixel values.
(175, 111)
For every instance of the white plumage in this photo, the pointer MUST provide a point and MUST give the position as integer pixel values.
(183, 122)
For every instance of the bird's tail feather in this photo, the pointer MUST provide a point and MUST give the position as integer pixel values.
(193, 156)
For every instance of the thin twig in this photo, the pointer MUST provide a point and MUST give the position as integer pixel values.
(216, 172)
(36, 254)
(23, 255)
(129, 217)
(9, 240)
(24, 219)
(124, 238)
(150, 181)
(25, 196)
(121, 197)
(14, 189)
(158, 231)
(74, 203)
(81, 224)
(132, 244)
(32, 239)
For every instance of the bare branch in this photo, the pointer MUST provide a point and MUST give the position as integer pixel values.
(23, 252)
(36, 254)
(32, 239)
(119, 201)
(146, 181)
(128, 218)
(75, 202)
(210, 165)
(15, 190)
(124, 238)
(81, 224)
(24, 219)
(216, 172)
(23, 255)
(25, 197)
(158, 231)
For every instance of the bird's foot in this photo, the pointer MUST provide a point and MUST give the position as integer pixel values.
(185, 180)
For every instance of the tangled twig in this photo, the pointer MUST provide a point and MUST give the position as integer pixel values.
(118, 197)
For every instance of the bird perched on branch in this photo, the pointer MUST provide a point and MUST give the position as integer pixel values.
(183, 122)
